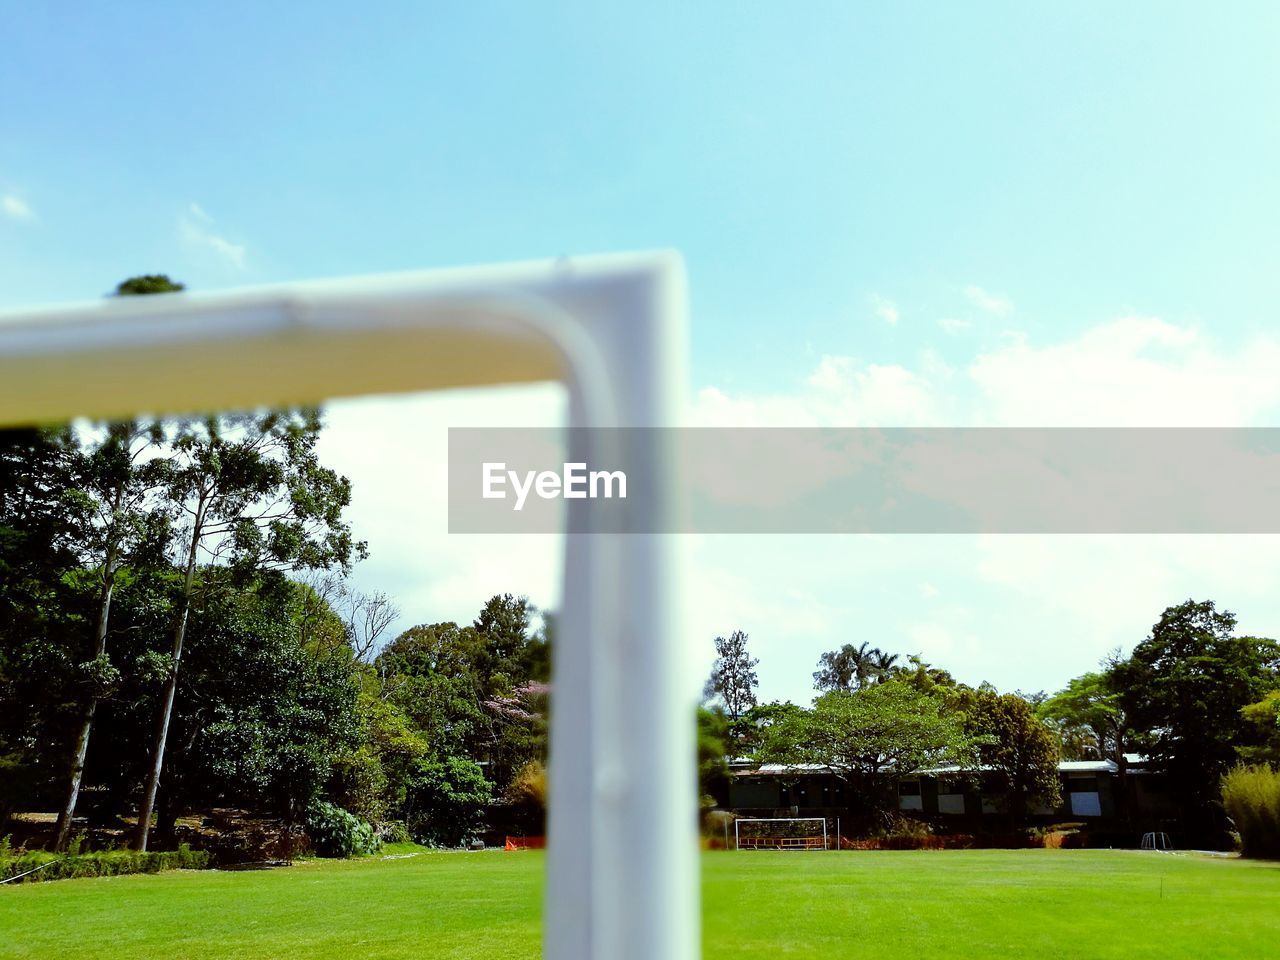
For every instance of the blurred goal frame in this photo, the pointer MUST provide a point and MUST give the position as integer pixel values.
(622, 866)
(779, 842)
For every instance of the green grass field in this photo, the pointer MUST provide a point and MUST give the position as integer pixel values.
(990, 904)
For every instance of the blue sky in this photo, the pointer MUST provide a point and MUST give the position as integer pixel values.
(912, 213)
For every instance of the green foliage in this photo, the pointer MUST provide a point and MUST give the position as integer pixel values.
(927, 678)
(528, 787)
(336, 832)
(526, 797)
(507, 648)
(1089, 718)
(107, 863)
(267, 734)
(851, 668)
(1185, 687)
(394, 832)
(872, 737)
(147, 284)
(733, 676)
(753, 728)
(1262, 720)
(1251, 796)
(713, 738)
(447, 801)
(1018, 749)
(473, 691)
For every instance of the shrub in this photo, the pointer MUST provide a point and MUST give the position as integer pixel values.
(359, 783)
(447, 802)
(336, 832)
(105, 863)
(528, 788)
(394, 831)
(1251, 795)
(906, 830)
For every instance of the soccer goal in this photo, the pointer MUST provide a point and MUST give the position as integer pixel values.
(781, 833)
(1156, 841)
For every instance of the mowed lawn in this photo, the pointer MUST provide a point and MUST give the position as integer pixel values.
(988, 904)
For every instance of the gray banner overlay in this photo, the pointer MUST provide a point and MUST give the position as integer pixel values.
(864, 480)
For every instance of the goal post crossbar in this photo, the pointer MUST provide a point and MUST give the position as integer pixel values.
(612, 331)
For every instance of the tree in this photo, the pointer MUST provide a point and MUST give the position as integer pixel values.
(372, 778)
(872, 737)
(250, 492)
(1089, 718)
(753, 729)
(447, 801)
(41, 618)
(327, 598)
(116, 477)
(429, 672)
(1263, 720)
(929, 679)
(518, 729)
(713, 767)
(851, 668)
(148, 283)
(1184, 689)
(504, 656)
(115, 481)
(733, 677)
(1017, 749)
(883, 665)
(268, 733)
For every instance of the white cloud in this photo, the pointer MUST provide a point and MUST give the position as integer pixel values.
(1037, 609)
(195, 228)
(1021, 611)
(15, 208)
(988, 302)
(1132, 371)
(954, 326)
(840, 391)
(885, 309)
(395, 451)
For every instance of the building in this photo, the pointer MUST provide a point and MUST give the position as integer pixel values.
(1093, 792)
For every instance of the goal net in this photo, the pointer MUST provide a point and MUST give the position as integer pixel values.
(1156, 841)
(788, 833)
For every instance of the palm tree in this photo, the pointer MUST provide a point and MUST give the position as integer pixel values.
(845, 669)
(882, 664)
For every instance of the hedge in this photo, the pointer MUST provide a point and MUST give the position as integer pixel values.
(105, 863)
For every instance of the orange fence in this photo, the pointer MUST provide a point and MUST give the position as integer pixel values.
(780, 843)
(525, 843)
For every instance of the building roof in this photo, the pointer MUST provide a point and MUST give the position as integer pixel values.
(744, 768)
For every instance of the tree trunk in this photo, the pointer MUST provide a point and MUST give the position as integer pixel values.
(66, 815)
(1122, 781)
(170, 689)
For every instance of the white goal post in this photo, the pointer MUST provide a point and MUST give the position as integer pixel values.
(622, 865)
(1157, 840)
(777, 839)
